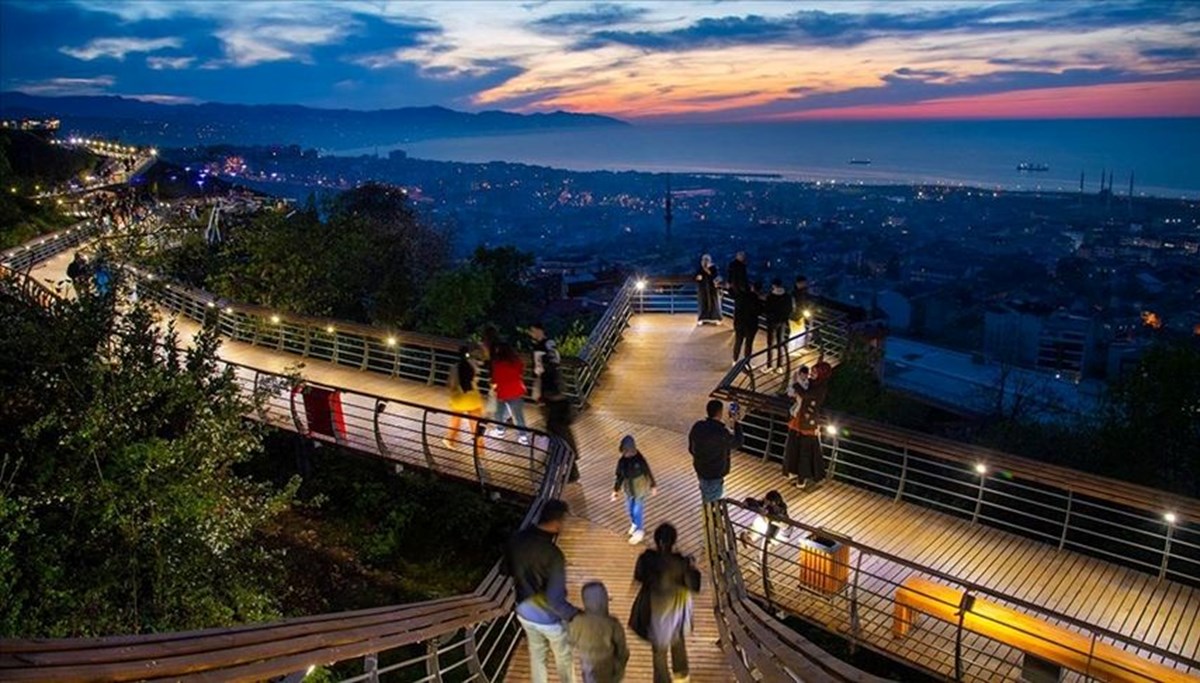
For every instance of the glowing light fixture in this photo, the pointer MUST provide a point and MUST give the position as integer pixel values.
(275, 319)
(391, 341)
(980, 468)
(1170, 517)
(640, 285)
(831, 430)
(807, 313)
(329, 329)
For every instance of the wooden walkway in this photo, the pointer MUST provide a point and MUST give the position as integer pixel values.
(656, 387)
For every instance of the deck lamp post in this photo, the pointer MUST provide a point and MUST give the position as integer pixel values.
(981, 469)
(1170, 518)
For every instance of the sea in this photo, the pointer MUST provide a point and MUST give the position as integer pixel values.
(1162, 155)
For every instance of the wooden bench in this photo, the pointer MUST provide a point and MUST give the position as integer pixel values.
(1027, 633)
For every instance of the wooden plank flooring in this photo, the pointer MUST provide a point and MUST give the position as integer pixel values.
(656, 387)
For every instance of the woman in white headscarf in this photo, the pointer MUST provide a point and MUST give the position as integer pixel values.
(707, 296)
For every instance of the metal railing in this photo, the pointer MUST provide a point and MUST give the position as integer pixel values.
(468, 637)
(862, 594)
(48, 246)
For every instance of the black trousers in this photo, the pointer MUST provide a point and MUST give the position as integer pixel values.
(558, 423)
(777, 355)
(744, 338)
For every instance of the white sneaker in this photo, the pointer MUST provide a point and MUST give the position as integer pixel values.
(632, 530)
(498, 432)
(636, 538)
(446, 443)
(523, 439)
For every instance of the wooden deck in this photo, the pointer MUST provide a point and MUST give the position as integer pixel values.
(655, 388)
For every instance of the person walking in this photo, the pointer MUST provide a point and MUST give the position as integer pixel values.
(598, 638)
(637, 481)
(556, 405)
(803, 462)
(465, 399)
(545, 362)
(778, 311)
(711, 441)
(662, 610)
(508, 383)
(739, 278)
(539, 574)
(708, 298)
(747, 306)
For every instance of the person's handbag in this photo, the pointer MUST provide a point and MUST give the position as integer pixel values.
(639, 615)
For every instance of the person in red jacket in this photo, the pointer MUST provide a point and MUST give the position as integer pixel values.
(508, 382)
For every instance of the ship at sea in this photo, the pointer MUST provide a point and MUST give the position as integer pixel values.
(1031, 167)
(861, 162)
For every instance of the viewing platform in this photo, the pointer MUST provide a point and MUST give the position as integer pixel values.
(1063, 560)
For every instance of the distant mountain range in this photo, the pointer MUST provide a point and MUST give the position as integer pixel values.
(328, 129)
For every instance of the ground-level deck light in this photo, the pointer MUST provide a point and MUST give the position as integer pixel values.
(980, 468)
(640, 285)
(329, 329)
(1170, 517)
(275, 319)
(391, 341)
(831, 430)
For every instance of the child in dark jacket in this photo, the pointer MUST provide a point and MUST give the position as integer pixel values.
(634, 476)
(598, 638)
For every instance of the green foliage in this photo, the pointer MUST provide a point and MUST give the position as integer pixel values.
(120, 501)
(457, 302)
(574, 338)
(506, 269)
(25, 162)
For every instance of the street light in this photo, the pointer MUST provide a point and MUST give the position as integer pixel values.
(640, 285)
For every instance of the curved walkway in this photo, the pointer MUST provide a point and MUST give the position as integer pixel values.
(656, 386)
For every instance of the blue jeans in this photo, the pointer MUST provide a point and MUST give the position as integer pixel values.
(637, 511)
(712, 490)
(515, 406)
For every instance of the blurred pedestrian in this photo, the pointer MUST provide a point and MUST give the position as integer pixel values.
(465, 399)
(801, 314)
(636, 480)
(539, 574)
(739, 278)
(662, 610)
(598, 638)
(767, 524)
(708, 298)
(508, 384)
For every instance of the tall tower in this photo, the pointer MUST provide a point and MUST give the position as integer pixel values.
(668, 216)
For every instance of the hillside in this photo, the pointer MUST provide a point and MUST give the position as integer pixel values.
(334, 129)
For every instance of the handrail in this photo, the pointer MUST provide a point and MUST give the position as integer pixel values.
(253, 652)
(870, 577)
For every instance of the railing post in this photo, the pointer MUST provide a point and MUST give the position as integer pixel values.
(765, 566)
(380, 406)
(833, 456)
(371, 667)
(433, 672)
(292, 404)
(979, 497)
(1087, 673)
(425, 440)
(903, 475)
(964, 605)
(855, 625)
(1162, 570)
(770, 438)
(472, 651)
(1062, 540)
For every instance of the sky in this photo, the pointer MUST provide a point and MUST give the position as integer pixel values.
(676, 61)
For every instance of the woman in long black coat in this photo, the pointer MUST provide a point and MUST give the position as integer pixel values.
(707, 296)
(803, 463)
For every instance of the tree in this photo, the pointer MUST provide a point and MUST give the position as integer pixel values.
(121, 504)
(457, 302)
(507, 268)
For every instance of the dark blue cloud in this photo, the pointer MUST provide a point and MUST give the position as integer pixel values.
(846, 29)
(598, 15)
(1171, 53)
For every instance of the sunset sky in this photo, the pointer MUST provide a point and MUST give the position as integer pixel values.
(674, 61)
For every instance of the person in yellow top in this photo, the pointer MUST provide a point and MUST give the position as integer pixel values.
(465, 399)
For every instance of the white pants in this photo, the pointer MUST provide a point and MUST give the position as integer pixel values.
(794, 328)
(552, 638)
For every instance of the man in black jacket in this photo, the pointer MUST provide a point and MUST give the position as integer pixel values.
(539, 573)
(711, 443)
(739, 278)
(746, 307)
(778, 310)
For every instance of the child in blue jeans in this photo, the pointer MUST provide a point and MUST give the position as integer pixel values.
(634, 476)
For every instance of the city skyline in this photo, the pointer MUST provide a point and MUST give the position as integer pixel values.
(664, 61)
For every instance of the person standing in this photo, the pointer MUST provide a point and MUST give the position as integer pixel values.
(635, 478)
(708, 298)
(598, 638)
(801, 313)
(778, 311)
(539, 574)
(556, 405)
(803, 462)
(746, 308)
(464, 399)
(739, 278)
(545, 362)
(662, 610)
(711, 443)
(508, 383)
